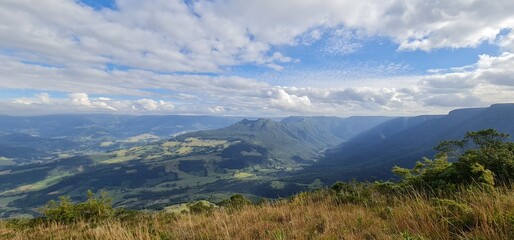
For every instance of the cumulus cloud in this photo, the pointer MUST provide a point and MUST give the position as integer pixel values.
(216, 109)
(205, 36)
(283, 100)
(496, 70)
(479, 84)
(453, 100)
(352, 100)
(81, 102)
(485, 82)
(507, 41)
(154, 51)
(39, 98)
(80, 99)
(152, 105)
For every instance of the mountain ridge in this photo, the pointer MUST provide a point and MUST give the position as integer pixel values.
(404, 146)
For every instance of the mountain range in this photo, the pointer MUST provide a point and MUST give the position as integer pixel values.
(27, 138)
(156, 161)
(403, 141)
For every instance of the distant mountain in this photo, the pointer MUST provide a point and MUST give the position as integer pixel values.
(403, 141)
(293, 138)
(263, 157)
(250, 156)
(9, 152)
(49, 135)
(118, 126)
(342, 128)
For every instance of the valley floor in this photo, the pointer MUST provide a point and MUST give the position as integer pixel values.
(472, 214)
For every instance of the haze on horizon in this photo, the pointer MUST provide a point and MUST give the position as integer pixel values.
(254, 58)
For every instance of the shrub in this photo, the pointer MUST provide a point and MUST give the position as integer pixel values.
(127, 215)
(235, 202)
(459, 216)
(313, 197)
(200, 207)
(92, 210)
(483, 158)
(352, 192)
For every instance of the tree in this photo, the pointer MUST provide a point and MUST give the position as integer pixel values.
(93, 209)
(235, 202)
(483, 157)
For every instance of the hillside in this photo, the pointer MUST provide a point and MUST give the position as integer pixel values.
(37, 138)
(404, 141)
(250, 156)
(294, 138)
(469, 198)
(260, 158)
(321, 215)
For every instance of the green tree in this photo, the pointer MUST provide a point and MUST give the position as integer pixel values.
(236, 202)
(65, 211)
(483, 157)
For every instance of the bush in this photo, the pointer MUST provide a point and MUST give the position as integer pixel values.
(201, 207)
(92, 210)
(352, 192)
(23, 223)
(128, 215)
(235, 202)
(483, 158)
(459, 216)
(305, 198)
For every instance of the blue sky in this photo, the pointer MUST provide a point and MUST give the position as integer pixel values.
(254, 58)
(99, 4)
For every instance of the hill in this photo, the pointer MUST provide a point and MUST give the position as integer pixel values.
(470, 198)
(250, 156)
(321, 215)
(47, 137)
(403, 141)
(301, 139)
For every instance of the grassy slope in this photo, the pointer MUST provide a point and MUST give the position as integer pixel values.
(150, 176)
(313, 216)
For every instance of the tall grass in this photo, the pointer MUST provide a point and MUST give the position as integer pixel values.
(467, 214)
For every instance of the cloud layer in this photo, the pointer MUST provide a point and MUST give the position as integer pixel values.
(174, 56)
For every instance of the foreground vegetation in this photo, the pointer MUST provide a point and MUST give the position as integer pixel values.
(470, 197)
(471, 214)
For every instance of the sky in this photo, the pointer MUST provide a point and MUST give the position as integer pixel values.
(255, 57)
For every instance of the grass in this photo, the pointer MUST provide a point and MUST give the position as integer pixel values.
(48, 181)
(190, 144)
(6, 161)
(243, 175)
(120, 156)
(469, 214)
(141, 137)
(277, 184)
(106, 144)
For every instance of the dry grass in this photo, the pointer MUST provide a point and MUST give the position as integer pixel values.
(488, 215)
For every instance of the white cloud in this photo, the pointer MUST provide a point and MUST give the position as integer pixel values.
(43, 98)
(343, 42)
(507, 41)
(39, 98)
(206, 36)
(488, 81)
(64, 46)
(152, 105)
(290, 102)
(82, 103)
(217, 109)
(453, 100)
(80, 99)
